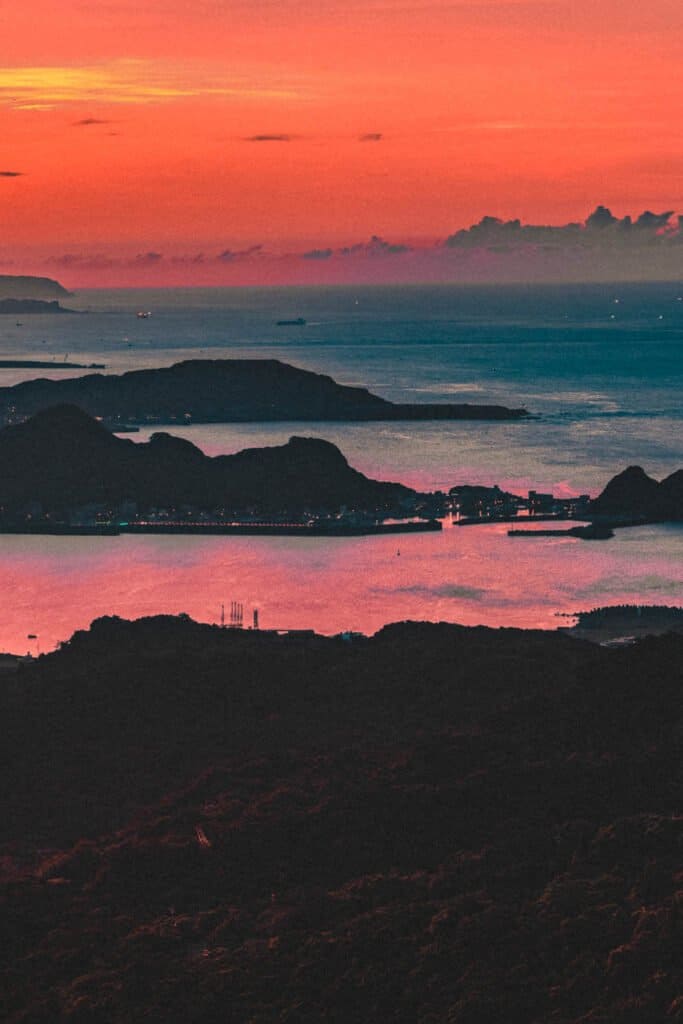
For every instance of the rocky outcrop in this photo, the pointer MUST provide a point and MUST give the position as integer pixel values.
(633, 494)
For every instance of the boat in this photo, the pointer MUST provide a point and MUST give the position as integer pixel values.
(299, 322)
(143, 316)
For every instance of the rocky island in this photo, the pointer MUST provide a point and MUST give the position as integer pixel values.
(226, 391)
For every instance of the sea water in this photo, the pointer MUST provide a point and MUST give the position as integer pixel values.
(599, 366)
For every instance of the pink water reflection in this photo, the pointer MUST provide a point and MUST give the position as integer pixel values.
(52, 586)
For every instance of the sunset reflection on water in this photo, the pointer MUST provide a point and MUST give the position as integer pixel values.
(52, 586)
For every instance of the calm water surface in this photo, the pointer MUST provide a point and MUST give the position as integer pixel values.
(472, 575)
(601, 365)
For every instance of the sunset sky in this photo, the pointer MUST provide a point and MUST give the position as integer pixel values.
(214, 125)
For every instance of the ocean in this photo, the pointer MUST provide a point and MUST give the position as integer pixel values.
(599, 366)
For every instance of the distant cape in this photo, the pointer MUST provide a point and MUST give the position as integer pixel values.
(226, 391)
(13, 286)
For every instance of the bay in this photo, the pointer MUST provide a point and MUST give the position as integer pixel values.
(601, 367)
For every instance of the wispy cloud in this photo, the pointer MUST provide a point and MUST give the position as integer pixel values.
(375, 247)
(129, 81)
(149, 258)
(447, 590)
(318, 254)
(371, 137)
(235, 255)
(268, 138)
(11, 174)
(86, 121)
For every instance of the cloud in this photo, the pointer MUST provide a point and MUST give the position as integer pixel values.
(375, 247)
(371, 137)
(637, 584)
(268, 138)
(599, 229)
(192, 259)
(490, 231)
(447, 590)
(90, 120)
(44, 87)
(88, 261)
(601, 217)
(649, 221)
(148, 258)
(318, 254)
(233, 256)
(11, 174)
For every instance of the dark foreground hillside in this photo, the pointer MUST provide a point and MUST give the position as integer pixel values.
(437, 824)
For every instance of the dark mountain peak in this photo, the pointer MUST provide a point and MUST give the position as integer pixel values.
(670, 498)
(315, 446)
(635, 474)
(675, 480)
(631, 491)
(59, 421)
(161, 443)
(634, 493)
(297, 447)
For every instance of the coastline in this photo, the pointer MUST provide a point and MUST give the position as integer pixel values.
(263, 529)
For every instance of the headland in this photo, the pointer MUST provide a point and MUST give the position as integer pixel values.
(18, 286)
(226, 391)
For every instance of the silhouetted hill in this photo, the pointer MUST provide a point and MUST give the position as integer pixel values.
(63, 458)
(226, 390)
(670, 497)
(23, 287)
(437, 824)
(634, 493)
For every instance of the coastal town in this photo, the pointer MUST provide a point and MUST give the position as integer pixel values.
(62, 471)
(462, 505)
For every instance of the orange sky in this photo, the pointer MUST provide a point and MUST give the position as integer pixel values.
(131, 130)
